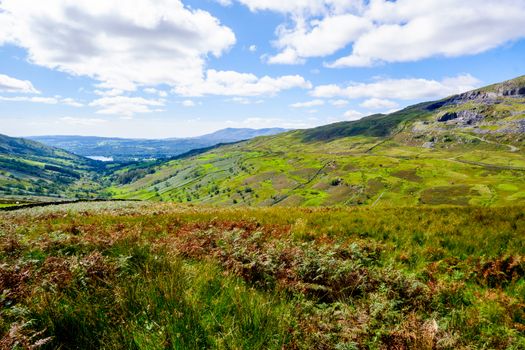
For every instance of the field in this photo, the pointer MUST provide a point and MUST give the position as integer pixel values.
(349, 171)
(155, 276)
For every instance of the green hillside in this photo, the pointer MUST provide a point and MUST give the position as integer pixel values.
(29, 168)
(463, 150)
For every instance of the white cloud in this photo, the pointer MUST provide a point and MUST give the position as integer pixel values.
(10, 84)
(377, 103)
(339, 103)
(83, 121)
(390, 31)
(153, 91)
(230, 83)
(317, 38)
(353, 115)
(308, 104)
(311, 7)
(188, 103)
(109, 92)
(410, 30)
(224, 2)
(71, 102)
(45, 100)
(245, 101)
(252, 48)
(287, 56)
(402, 89)
(142, 43)
(126, 106)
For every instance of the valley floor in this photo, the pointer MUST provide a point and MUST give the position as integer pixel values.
(137, 275)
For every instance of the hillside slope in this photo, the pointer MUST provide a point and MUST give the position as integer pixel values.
(125, 150)
(467, 149)
(30, 168)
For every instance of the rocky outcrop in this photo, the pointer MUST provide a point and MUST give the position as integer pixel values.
(514, 92)
(489, 95)
(448, 116)
(466, 117)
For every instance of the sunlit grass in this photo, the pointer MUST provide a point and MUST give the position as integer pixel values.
(147, 276)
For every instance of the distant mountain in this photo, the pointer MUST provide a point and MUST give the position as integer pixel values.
(123, 150)
(239, 134)
(467, 149)
(31, 168)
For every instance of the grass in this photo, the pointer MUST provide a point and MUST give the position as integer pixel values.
(147, 276)
(283, 170)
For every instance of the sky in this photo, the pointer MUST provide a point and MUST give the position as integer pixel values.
(180, 68)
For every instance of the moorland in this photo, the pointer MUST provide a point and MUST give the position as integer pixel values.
(398, 231)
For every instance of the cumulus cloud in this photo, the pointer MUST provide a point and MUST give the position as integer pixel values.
(399, 89)
(377, 103)
(140, 43)
(317, 38)
(410, 30)
(378, 31)
(308, 104)
(125, 106)
(10, 84)
(230, 83)
(188, 103)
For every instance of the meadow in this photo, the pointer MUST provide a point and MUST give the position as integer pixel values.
(142, 275)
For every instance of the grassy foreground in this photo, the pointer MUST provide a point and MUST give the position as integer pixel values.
(162, 276)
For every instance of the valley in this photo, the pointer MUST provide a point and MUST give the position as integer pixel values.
(262, 175)
(417, 156)
(463, 150)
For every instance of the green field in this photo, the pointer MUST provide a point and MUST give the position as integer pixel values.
(356, 170)
(163, 276)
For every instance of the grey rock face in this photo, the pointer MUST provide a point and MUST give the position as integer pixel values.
(467, 117)
(448, 116)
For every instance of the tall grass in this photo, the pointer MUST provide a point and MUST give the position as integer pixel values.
(153, 276)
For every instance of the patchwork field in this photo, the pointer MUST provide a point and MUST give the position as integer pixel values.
(284, 170)
(155, 276)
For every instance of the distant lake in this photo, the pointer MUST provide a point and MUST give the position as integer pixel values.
(101, 158)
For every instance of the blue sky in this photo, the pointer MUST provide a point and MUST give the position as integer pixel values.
(172, 68)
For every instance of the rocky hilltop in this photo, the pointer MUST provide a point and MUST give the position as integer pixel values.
(497, 109)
